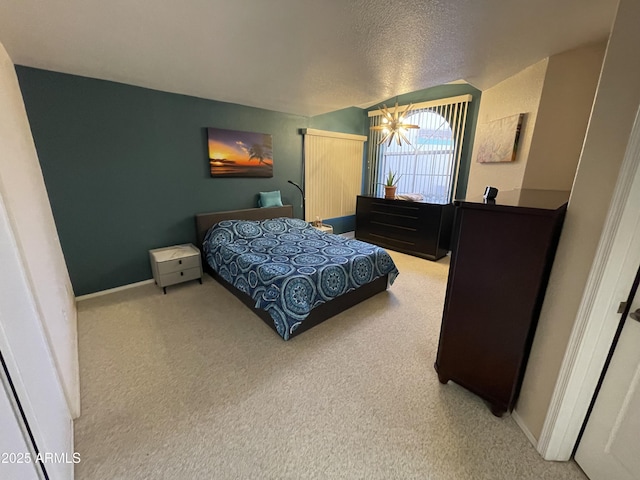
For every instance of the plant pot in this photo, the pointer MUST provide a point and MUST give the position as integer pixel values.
(390, 192)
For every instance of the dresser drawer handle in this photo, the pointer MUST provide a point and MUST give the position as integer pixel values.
(181, 274)
(179, 262)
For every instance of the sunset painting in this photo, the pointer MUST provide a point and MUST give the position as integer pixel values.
(239, 154)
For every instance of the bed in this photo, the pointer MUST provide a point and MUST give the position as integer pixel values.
(290, 274)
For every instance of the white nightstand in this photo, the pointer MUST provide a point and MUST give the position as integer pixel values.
(177, 264)
(324, 228)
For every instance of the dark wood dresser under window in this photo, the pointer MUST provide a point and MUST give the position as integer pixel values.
(501, 259)
(417, 228)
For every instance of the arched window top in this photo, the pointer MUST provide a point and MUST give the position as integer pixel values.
(435, 133)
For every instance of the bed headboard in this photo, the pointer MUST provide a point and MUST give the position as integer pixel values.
(204, 221)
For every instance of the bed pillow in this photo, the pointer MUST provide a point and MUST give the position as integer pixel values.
(270, 199)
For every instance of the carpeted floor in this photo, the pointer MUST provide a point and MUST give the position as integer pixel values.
(192, 385)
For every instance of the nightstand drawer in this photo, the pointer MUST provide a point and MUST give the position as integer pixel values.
(178, 264)
(180, 276)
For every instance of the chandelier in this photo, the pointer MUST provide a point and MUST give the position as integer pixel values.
(393, 125)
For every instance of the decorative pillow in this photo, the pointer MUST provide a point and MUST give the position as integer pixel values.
(270, 199)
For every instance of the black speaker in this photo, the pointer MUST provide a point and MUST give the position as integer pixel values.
(490, 193)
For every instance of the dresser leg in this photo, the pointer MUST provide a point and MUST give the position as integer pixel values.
(200, 280)
(497, 411)
(444, 380)
(164, 289)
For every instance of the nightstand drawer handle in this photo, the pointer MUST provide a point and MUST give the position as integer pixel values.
(181, 274)
(179, 262)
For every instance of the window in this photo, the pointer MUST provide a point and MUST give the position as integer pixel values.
(332, 173)
(429, 164)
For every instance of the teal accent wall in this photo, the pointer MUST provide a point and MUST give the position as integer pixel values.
(126, 169)
(445, 91)
(341, 224)
(348, 120)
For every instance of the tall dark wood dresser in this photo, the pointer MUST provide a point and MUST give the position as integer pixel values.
(501, 257)
(417, 228)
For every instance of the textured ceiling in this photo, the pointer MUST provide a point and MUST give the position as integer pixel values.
(299, 56)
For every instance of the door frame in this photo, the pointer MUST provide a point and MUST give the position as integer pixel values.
(29, 361)
(596, 323)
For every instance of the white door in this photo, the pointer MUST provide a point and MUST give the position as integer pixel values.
(29, 364)
(610, 446)
(13, 444)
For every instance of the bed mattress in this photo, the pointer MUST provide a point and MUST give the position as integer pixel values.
(288, 267)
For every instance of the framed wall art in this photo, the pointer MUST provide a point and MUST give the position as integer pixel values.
(499, 139)
(233, 153)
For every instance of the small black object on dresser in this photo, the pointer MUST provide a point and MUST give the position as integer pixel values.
(490, 193)
(417, 228)
(501, 258)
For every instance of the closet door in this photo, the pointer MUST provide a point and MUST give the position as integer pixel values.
(610, 446)
(29, 363)
(12, 440)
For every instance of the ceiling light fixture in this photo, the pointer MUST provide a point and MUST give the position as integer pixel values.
(393, 124)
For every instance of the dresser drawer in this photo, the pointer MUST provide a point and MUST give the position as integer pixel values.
(402, 244)
(178, 264)
(180, 276)
(402, 209)
(417, 228)
(409, 233)
(400, 222)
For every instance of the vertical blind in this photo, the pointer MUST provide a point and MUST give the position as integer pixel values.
(429, 165)
(332, 173)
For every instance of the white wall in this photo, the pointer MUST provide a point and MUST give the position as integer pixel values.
(37, 309)
(556, 95)
(567, 98)
(518, 94)
(616, 103)
(25, 196)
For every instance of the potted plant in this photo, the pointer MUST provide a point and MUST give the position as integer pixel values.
(390, 185)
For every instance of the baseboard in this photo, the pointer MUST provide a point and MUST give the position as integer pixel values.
(524, 428)
(113, 290)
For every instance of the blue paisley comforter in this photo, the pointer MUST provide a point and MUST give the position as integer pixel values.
(288, 267)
